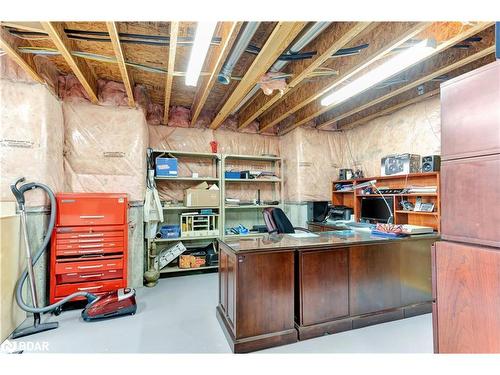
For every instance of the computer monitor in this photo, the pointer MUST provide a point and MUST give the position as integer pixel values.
(374, 208)
(317, 211)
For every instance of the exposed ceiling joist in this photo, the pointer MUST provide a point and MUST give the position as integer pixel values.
(80, 68)
(28, 26)
(120, 59)
(326, 44)
(172, 50)
(433, 68)
(315, 109)
(381, 39)
(281, 37)
(228, 33)
(7, 44)
(412, 93)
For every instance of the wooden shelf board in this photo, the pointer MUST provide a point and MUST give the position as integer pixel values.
(160, 240)
(400, 195)
(255, 180)
(188, 154)
(434, 213)
(199, 179)
(181, 208)
(229, 236)
(177, 269)
(249, 207)
(252, 157)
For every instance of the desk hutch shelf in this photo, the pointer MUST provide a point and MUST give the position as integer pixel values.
(352, 198)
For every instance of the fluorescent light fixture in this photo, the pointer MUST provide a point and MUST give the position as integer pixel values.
(388, 69)
(202, 40)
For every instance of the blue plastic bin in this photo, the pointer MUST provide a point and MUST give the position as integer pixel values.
(166, 167)
(170, 231)
(232, 174)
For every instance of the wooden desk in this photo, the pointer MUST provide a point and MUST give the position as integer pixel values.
(277, 289)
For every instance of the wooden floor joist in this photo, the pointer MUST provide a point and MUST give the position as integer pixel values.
(326, 44)
(315, 109)
(79, 66)
(228, 32)
(120, 59)
(381, 39)
(281, 37)
(27, 64)
(433, 71)
(172, 50)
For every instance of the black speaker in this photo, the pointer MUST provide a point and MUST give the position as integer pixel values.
(431, 163)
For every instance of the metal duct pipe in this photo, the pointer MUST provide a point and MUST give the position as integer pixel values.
(304, 40)
(246, 36)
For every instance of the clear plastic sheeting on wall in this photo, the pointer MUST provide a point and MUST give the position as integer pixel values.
(105, 149)
(31, 139)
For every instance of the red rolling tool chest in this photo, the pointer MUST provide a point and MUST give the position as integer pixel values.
(89, 244)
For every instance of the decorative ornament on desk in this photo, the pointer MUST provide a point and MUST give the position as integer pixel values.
(389, 228)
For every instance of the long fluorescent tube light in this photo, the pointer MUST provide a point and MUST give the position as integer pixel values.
(202, 39)
(388, 69)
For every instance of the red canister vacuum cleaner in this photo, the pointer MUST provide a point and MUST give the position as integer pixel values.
(110, 305)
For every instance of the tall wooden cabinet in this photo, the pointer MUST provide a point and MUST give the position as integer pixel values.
(466, 265)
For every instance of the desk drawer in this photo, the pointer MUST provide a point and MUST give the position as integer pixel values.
(88, 240)
(91, 209)
(92, 287)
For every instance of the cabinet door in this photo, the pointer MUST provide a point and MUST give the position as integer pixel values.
(324, 288)
(468, 298)
(470, 200)
(266, 293)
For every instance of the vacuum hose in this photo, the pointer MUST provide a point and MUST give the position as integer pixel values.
(19, 194)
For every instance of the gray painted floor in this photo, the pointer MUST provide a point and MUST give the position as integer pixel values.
(178, 316)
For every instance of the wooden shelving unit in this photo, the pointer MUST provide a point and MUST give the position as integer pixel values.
(232, 215)
(353, 197)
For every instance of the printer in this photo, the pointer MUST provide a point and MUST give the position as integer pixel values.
(339, 212)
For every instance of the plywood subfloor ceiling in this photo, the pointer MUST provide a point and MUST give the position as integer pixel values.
(156, 54)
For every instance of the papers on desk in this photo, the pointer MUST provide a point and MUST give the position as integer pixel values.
(303, 235)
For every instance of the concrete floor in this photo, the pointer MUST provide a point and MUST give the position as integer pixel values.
(178, 316)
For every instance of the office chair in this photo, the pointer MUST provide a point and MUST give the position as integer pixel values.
(277, 222)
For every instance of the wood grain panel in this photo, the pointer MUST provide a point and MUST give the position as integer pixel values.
(468, 299)
(324, 285)
(266, 299)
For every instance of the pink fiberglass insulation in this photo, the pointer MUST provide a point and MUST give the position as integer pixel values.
(105, 149)
(112, 93)
(31, 139)
(179, 116)
(70, 89)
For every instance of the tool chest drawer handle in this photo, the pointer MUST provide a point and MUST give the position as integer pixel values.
(96, 240)
(91, 287)
(87, 267)
(91, 216)
(89, 246)
(94, 275)
(90, 251)
(92, 235)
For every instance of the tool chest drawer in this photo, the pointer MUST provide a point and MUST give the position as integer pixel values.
(89, 244)
(76, 277)
(92, 287)
(91, 209)
(110, 263)
(88, 232)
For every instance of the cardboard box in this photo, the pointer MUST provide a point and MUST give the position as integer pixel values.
(202, 196)
(166, 167)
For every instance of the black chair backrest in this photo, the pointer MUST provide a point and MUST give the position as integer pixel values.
(283, 225)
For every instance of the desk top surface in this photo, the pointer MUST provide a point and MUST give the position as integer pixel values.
(319, 240)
